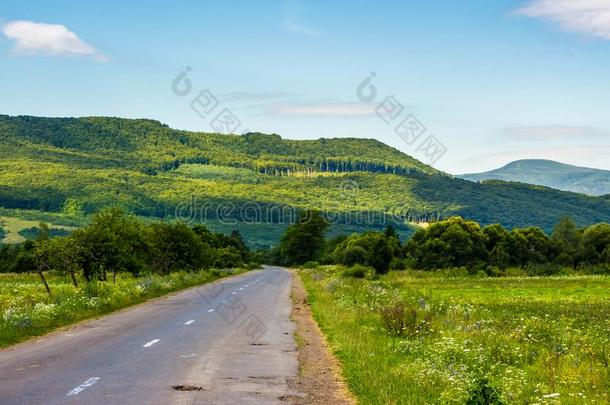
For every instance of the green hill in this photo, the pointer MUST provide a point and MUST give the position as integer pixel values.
(254, 182)
(549, 173)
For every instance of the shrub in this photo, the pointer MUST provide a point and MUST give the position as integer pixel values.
(543, 270)
(397, 264)
(359, 271)
(483, 393)
(494, 271)
(399, 320)
(226, 258)
(310, 265)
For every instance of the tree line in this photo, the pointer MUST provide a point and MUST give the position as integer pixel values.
(450, 243)
(115, 242)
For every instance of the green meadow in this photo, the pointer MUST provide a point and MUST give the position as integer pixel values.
(433, 338)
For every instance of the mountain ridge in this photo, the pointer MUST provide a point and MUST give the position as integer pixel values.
(80, 165)
(550, 173)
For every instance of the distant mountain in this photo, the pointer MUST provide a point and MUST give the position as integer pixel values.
(549, 173)
(252, 182)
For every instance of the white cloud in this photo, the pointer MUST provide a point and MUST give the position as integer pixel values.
(243, 96)
(49, 39)
(322, 110)
(591, 17)
(554, 132)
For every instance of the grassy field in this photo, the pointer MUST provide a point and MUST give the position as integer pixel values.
(26, 310)
(13, 226)
(416, 338)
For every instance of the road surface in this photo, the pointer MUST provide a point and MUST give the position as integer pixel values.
(229, 342)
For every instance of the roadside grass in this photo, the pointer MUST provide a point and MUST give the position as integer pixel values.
(26, 310)
(416, 338)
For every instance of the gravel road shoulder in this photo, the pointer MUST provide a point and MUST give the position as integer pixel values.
(319, 371)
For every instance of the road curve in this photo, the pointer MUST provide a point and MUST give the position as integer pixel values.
(230, 342)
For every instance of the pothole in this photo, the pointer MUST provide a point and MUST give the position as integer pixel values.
(187, 388)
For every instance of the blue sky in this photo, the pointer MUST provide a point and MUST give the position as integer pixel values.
(493, 81)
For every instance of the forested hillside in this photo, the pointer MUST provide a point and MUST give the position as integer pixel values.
(79, 165)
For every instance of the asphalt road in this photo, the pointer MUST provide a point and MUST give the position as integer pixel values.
(233, 339)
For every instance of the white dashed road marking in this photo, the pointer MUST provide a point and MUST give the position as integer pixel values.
(152, 342)
(189, 322)
(210, 310)
(84, 386)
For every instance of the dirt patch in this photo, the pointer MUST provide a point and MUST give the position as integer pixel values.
(319, 372)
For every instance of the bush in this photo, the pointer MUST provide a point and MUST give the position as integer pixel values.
(400, 320)
(483, 393)
(397, 264)
(543, 270)
(494, 271)
(227, 258)
(359, 271)
(310, 265)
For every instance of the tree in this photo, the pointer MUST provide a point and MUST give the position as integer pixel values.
(535, 246)
(390, 232)
(595, 241)
(42, 255)
(453, 242)
(227, 257)
(371, 248)
(566, 239)
(495, 233)
(112, 242)
(304, 240)
(60, 255)
(176, 247)
(499, 255)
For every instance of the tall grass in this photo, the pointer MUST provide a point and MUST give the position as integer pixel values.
(26, 310)
(411, 339)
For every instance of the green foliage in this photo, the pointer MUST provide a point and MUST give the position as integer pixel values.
(112, 242)
(451, 243)
(455, 243)
(176, 247)
(359, 271)
(115, 242)
(374, 249)
(511, 340)
(78, 166)
(304, 240)
(227, 257)
(567, 239)
(530, 246)
(483, 393)
(34, 232)
(26, 310)
(596, 244)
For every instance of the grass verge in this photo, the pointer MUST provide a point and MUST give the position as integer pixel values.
(410, 338)
(26, 310)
